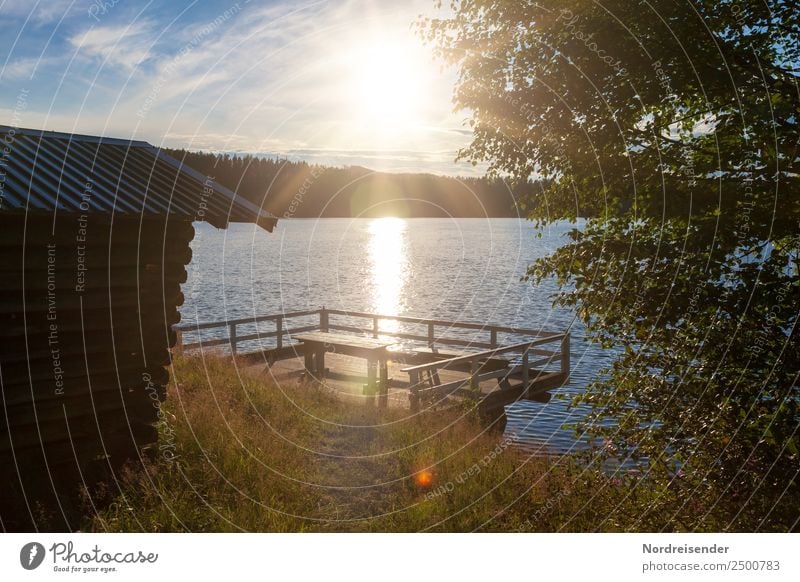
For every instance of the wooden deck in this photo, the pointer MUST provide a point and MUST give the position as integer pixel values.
(346, 376)
(416, 369)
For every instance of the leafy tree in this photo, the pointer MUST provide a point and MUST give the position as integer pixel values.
(673, 127)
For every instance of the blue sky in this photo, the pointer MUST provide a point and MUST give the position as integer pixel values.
(337, 82)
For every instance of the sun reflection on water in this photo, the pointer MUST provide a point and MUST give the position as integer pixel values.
(389, 267)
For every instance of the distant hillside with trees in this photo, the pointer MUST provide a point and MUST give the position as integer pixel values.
(302, 190)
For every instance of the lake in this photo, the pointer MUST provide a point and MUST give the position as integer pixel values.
(457, 269)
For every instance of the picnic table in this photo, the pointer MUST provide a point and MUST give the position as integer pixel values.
(373, 350)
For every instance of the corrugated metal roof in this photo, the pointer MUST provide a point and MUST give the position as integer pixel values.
(44, 171)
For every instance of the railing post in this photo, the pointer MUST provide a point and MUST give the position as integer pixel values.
(493, 338)
(374, 327)
(323, 319)
(178, 342)
(232, 336)
(279, 331)
(431, 338)
(474, 384)
(525, 361)
(413, 396)
(565, 355)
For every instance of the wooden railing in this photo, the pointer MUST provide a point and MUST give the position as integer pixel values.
(330, 320)
(430, 337)
(476, 362)
(233, 338)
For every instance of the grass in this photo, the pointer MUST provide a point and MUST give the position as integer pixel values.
(239, 453)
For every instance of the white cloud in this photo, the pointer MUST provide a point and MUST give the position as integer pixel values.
(124, 46)
(40, 12)
(24, 68)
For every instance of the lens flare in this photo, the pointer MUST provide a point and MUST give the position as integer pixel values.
(424, 479)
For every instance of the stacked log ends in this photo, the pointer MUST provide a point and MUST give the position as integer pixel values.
(86, 308)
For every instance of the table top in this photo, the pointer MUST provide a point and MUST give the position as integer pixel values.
(340, 339)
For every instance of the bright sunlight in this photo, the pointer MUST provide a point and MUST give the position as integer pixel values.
(385, 84)
(389, 262)
(386, 88)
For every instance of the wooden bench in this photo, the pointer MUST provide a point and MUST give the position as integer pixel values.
(418, 356)
(487, 365)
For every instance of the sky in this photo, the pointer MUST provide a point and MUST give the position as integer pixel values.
(336, 82)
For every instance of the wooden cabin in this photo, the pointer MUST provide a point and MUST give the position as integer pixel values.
(94, 238)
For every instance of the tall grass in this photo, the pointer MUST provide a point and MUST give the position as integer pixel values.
(239, 452)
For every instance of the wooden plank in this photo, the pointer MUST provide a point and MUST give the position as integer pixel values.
(75, 365)
(338, 339)
(543, 383)
(23, 390)
(36, 279)
(121, 231)
(88, 324)
(486, 354)
(210, 343)
(444, 389)
(448, 341)
(436, 352)
(415, 337)
(232, 337)
(244, 320)
(444, 323)
(84, 439)
(536, 377)
(383, 399)
(123, 298)
(348, 328)
(78, 410)
(125, 337)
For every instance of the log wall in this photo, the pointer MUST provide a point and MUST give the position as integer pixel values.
(86, 305)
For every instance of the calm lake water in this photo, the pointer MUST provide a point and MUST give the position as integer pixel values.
(457, 269)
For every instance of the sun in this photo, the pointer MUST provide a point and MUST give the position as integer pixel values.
(386, 89)
(386, 85)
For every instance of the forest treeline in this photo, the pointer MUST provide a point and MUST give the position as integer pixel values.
(302, 190)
